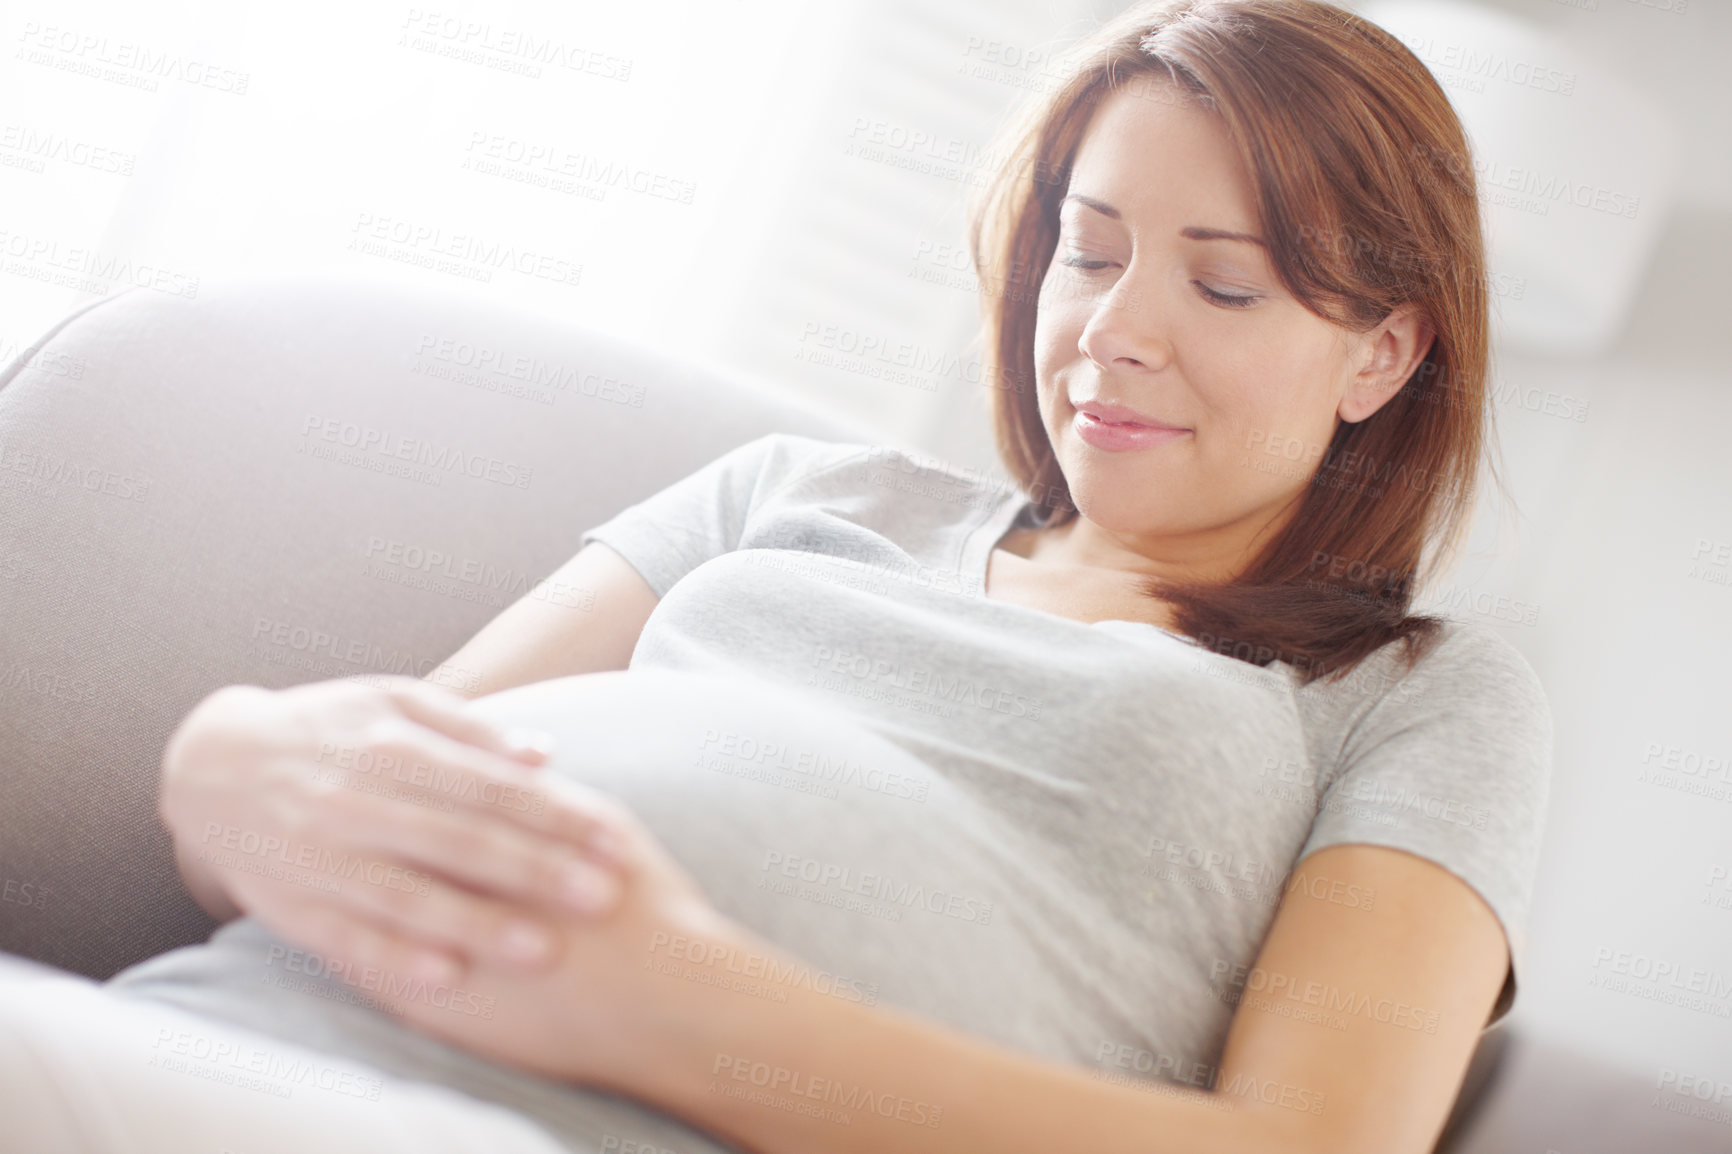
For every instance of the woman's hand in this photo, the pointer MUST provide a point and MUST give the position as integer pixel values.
(386, 814)
(615, 1009)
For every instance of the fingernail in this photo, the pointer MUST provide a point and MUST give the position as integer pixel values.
(525, 942)
(588, 890)
(522, 740)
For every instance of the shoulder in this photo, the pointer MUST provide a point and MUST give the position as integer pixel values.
(1462, 661)
(1450, 760)
(795, 464)
(782, 457)
(913, 462)
(773, 463)
(1470, 664)
(1471, 707)
(1470, 697)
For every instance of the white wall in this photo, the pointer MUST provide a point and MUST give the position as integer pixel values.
(791, 248)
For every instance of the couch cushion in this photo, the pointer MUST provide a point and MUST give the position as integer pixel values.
(277, 482)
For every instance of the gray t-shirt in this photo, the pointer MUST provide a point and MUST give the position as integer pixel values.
(1067, 838)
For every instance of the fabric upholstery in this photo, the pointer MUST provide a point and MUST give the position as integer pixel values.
(172, 520)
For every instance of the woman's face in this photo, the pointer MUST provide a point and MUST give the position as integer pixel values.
(1157, 302)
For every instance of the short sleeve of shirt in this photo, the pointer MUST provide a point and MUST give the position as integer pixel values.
(1453, 764)
(703, 515)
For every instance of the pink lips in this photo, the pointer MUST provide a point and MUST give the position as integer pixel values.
(1118, 429)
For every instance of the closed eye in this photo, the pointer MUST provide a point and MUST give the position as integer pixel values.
(1213, 296)
(1226, 300)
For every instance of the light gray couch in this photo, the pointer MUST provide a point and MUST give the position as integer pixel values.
(276, 483)
(295, 479)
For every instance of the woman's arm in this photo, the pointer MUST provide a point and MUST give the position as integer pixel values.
(585, 617)
(1352, 1036)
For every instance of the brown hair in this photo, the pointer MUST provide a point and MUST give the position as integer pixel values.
(1365, 187)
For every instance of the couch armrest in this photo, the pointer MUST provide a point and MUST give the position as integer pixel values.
(277, 482)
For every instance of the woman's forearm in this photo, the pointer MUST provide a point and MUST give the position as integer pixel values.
(819, 1075)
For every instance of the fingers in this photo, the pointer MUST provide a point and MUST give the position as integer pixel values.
(335, 933)
(396, 891)
(433, 765)
(451, 920)
(447, 712)
(390, 894)
(490, 856)
(446, 742)
(488, 843)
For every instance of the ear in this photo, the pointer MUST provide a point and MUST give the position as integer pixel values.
(1387, 356)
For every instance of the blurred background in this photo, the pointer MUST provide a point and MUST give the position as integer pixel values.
(777, 186)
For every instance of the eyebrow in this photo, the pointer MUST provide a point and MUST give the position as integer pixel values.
(1189, 232)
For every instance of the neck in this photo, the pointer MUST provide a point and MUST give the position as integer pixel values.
(1212, 555)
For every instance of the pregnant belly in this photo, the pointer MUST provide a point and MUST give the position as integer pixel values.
(823, 837)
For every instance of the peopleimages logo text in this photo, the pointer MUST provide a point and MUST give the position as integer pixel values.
(446, 458)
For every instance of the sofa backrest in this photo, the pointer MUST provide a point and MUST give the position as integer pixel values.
(278, 482)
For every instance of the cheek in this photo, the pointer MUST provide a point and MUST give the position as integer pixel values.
(1056, 333)
(1273, 394)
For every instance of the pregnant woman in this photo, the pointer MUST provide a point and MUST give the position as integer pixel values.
(876, 806)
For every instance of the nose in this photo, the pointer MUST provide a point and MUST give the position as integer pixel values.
(1124, 330)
